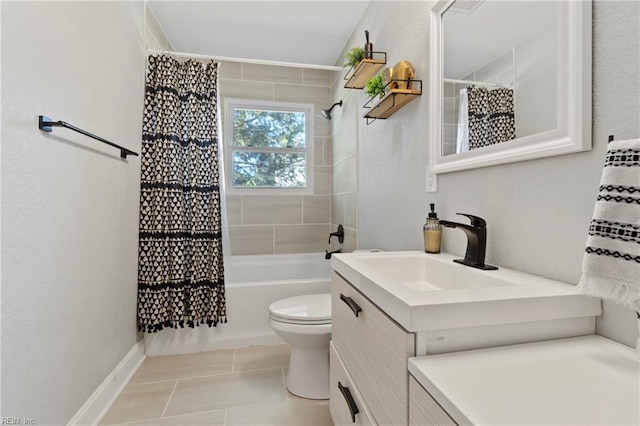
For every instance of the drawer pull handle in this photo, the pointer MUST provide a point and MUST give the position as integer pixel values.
(353, 408)
(353, 305)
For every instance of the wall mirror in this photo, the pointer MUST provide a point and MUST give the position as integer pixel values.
(509, 81)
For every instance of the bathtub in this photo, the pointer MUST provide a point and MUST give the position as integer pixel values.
(252, 284)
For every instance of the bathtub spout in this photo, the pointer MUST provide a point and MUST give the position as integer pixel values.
(329, 253)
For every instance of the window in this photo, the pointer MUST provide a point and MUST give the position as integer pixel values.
(269, 146)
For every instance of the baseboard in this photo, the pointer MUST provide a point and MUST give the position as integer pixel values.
(168, 344)
(103, 398)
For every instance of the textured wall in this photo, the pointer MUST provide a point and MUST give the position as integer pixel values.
(69, 203)
(616, 98)
(538, 211)
(268, 224)
(392, 153)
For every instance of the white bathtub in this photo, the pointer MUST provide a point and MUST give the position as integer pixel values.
(252, 284)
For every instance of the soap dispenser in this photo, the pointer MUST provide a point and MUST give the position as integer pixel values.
(432, 232)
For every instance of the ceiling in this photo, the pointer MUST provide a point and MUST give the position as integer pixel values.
(303, 31)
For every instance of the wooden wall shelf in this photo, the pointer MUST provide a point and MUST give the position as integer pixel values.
(358, 75)
(392, 101)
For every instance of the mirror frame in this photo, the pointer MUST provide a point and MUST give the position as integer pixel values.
(573, 131)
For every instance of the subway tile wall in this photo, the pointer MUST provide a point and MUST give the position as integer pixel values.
(275, 224)
(344, 161)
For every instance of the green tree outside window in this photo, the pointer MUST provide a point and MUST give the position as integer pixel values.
(269, 148)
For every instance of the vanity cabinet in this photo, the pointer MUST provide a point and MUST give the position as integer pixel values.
(584, 380)
(423, 409)
(389, 321)
(347, 405)
(373, 349)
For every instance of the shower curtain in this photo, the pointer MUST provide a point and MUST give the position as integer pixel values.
(490, 115)
(462, 136)
(180, 266)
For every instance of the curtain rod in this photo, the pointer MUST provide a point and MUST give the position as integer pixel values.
(477, 83)
(246, 61)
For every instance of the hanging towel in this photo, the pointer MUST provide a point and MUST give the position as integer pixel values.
(462, 139)
(611, 263)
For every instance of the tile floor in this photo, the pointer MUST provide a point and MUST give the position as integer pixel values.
(226, 387)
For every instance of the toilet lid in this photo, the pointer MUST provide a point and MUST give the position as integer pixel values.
(307, 308)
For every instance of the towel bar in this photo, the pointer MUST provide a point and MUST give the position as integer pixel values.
(45, 124)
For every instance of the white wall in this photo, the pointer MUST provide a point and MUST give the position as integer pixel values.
(154, 35)
(392, 153)
(538, 211)
(69, 203)
(535, 89)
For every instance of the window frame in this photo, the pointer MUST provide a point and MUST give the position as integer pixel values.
(230, 105)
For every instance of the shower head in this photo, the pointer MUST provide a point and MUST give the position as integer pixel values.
(326, 113)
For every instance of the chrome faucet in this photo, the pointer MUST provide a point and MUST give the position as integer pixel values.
(476, 241)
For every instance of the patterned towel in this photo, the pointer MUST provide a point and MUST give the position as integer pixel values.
(611, 264)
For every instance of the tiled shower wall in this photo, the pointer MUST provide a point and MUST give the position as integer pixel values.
(344, 195)
(274, 224)
(344, 190)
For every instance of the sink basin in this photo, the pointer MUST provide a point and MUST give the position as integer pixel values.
(424, 292)
(425, 273)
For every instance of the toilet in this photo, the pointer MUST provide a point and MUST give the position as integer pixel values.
(304, 322)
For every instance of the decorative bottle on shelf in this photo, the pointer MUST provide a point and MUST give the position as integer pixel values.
(368, 47)
(432, 232)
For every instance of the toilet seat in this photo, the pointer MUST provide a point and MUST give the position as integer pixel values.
(310, 309)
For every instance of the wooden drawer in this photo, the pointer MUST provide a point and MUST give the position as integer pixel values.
(374, 350)
(423, 409)
(339, 401)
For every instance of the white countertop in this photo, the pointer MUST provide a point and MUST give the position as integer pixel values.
(588, 380)
(386, 279)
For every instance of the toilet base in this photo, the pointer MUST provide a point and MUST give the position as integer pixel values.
(308, 374)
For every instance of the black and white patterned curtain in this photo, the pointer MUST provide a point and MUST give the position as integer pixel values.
(180, 268)
(491, 118)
